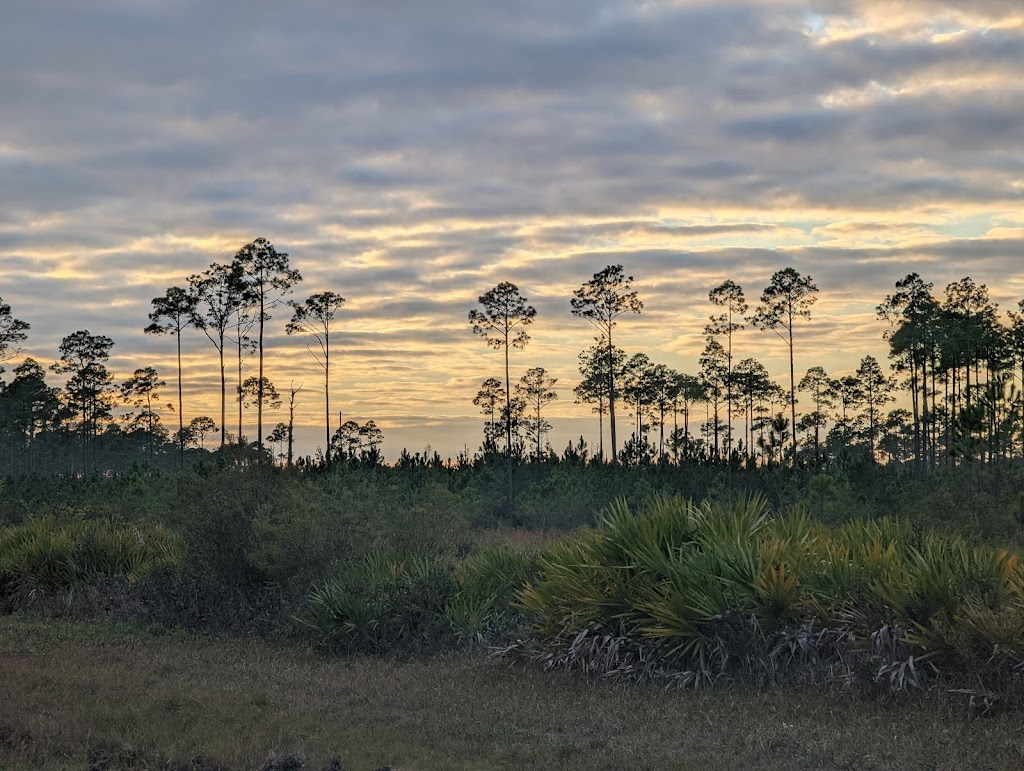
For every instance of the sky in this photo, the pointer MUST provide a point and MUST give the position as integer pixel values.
(410, 156)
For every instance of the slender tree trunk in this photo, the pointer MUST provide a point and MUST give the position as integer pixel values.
(240, 384)
(792, 387)
(817, 429)
(181, 414)
(915, 408)
(611, 395)
(871, 421)
(538, 432)
(508, 403)
(926, 447)
(661, 430)
(967, 371)
(223, 391)
(1022, 412)
(728, 394)
(686, 426)
(748, 419)
(707, 425)
(291, 427)
(327, 394)
(949, 396)
(259, 385)
(717, 453)
(675, 431)
(508, 427)
(935, 407)
(85, 436)
(760, 426)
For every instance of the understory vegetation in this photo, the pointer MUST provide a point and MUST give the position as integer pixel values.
(693, 593)
(863, 576)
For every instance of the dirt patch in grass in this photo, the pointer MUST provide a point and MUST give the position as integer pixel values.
(79, 696)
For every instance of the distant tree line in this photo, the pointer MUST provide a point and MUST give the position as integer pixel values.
(93, 424)
(953, 356)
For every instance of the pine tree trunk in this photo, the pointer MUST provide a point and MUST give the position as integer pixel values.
(181, 414)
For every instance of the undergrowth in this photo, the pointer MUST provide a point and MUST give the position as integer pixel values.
(697, 592)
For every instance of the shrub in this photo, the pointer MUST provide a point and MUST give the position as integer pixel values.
(421, 604)
(486, 584)
(730, 588)
(189, 597)
(55, 555)
(377, 605)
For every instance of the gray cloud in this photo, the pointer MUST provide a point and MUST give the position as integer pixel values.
(412, 155)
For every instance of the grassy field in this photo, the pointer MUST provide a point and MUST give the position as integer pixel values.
(105, 696)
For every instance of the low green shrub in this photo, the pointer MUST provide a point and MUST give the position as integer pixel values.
(420, 604)
(54, 554)
(269, 526)
(377, 605)
(731, 588)
(486, 583)
(189, 597)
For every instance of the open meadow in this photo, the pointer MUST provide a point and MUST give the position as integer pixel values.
(108, 696)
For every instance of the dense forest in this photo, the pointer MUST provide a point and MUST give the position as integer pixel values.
(950, 398)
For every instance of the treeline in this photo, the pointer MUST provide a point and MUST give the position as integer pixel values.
(74, 429)
(955, 358)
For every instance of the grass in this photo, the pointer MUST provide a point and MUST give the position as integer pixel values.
(96, 696)
(519, 539)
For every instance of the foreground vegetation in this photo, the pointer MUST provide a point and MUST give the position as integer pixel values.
(109, 696)
(217, 593)
(699, 592)
(380, 562)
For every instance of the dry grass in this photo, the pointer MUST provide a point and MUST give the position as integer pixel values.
(520, 539)
(101, 696)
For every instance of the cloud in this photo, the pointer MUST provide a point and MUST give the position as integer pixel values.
(410, 156)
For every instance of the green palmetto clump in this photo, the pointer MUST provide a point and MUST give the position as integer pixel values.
(60, 554)
(717, 588)
(486, 584)
(378, 604)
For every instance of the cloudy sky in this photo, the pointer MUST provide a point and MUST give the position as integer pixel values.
(410, 155)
